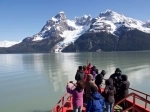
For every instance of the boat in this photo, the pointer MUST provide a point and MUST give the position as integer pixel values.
(137, 102)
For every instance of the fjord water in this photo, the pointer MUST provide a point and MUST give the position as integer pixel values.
(35, 82)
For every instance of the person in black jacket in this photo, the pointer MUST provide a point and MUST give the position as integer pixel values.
(99, 79)
(80, 75)
(109, 94)
(94, 71)
(124, 90)
(116, 82)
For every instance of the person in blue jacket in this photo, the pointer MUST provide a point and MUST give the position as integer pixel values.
(96, 102)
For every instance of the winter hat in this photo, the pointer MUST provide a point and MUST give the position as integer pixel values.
(118, 70)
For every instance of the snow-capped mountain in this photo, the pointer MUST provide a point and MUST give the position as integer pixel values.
(61, 27)
(147, 24)
(8, 43)
(63, 31)
(112, 22)
(109, 21)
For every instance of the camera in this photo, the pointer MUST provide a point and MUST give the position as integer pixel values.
(70, 81)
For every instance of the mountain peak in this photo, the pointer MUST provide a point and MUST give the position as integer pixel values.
(108, 13)
(61, 16)
(83, 20)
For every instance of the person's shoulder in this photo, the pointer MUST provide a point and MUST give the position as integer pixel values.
(112, 75)
(101, 75)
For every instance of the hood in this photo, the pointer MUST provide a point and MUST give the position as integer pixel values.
(103, 72)
(124, 77)
(109, 81)
(117, 70)
(96, 96)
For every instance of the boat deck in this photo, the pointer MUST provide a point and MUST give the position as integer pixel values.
(69, 108)
(65, 103)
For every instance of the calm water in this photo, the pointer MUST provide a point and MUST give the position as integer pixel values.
(35, 82)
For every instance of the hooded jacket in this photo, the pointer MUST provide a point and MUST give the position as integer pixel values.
(116, 80)
(89, 82)
(77, 96)
(109, 91)
(96, 103)
(80, 75)
(124, 87)
(99, 79)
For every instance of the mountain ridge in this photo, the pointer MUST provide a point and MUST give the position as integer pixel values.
(64, 32)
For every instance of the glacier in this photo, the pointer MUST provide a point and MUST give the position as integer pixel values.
(70, 30)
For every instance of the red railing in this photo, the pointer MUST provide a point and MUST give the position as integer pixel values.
(138, 93)
(134, 105)
(135, 95)
(60, 104)
(146, 96)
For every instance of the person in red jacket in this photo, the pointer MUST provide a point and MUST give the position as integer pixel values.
(89, 66)
(86, 72)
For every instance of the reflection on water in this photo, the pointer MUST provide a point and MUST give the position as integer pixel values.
(35, 82)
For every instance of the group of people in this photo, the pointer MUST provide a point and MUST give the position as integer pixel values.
(88, 89)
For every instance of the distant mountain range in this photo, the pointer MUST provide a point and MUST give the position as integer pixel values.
(8, 43)
(109, 31)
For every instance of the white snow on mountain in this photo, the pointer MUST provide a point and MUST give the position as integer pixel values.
(54, 19)
(8, 43)
(71, 36)
(110, 21)
(147, 24)
(70, 30)
(37, 37)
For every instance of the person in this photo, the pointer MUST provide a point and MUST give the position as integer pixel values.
(124, 90)
(116, 82)
(89, 82)
(116, 76)
(89, 66)
(94, 71)
(80, 75)
(96, 102)
(77, 96)
(99, 79)
(86, 72)
(109, 93)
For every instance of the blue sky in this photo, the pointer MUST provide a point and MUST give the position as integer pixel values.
(23, 18)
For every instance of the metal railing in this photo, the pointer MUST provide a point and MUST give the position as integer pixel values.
(134, 106)
(136, 93)
(146, 96)
(60, 104)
